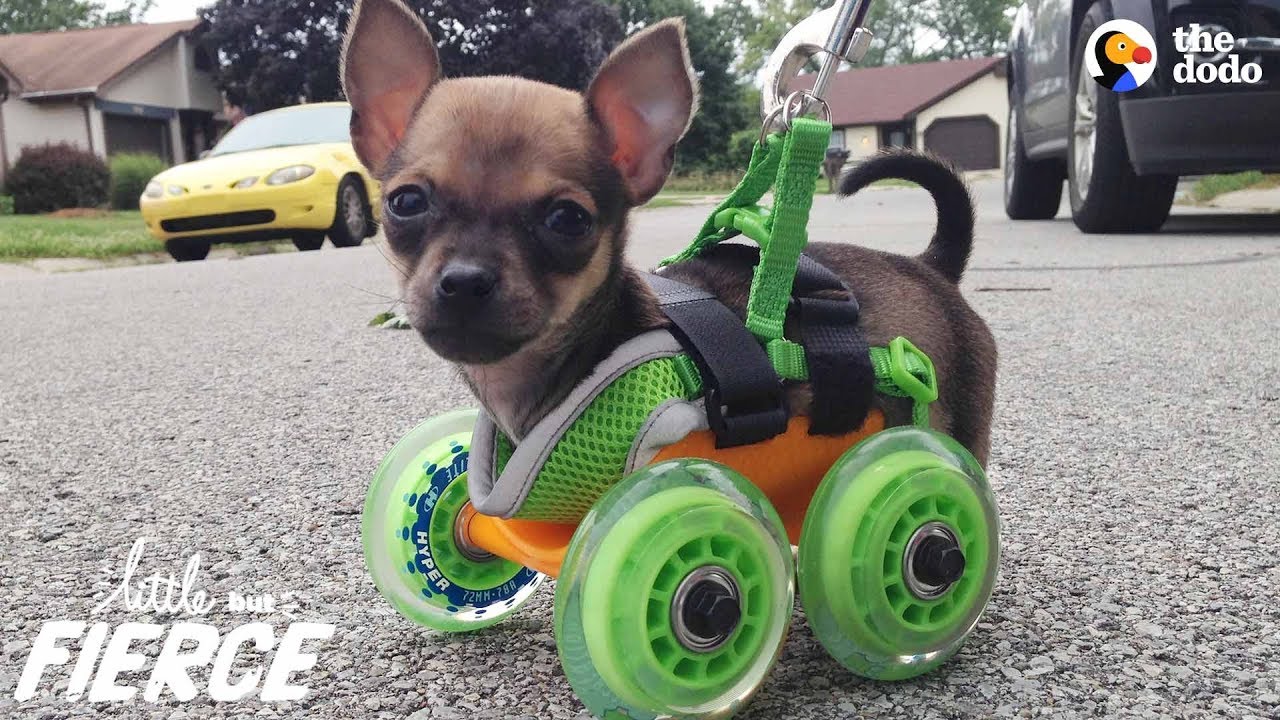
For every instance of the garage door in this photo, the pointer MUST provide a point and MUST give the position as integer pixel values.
(137, 135)
(972, 143)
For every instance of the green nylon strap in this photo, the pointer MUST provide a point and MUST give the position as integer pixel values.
(901, 370)
(788, 359)
(760, 176)
(803, 151)
(687, 370)
(789, 164)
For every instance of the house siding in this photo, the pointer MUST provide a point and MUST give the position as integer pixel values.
(167, 79)
(861, 140)
(27, 123)
(987, 95)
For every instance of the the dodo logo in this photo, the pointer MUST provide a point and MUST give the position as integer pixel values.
(1121, 55)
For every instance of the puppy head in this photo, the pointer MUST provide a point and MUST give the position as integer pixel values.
(505, 200)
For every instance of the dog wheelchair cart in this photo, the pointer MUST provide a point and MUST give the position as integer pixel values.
(678, 503)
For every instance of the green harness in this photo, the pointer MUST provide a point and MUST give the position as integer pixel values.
(591, 455)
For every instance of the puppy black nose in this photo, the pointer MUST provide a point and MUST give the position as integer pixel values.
(466, 282)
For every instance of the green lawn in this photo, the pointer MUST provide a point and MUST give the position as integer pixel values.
(24, 237)
(680, 194)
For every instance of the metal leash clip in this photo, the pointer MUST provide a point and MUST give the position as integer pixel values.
(796, 105)
(838, 35)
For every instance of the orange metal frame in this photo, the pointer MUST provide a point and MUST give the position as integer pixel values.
(788, 469)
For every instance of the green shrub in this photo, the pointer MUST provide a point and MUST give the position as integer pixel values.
(130, 173)
(741, 145)
(6, 204)
(55, 177)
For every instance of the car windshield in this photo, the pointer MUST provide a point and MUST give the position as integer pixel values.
(302, 126)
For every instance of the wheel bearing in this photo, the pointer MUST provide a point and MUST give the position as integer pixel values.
(706, 608)
(932, 561)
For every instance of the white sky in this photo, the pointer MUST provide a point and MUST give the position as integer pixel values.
(168, 10)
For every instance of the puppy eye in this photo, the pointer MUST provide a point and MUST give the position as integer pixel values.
(408, 201)
(568, 218)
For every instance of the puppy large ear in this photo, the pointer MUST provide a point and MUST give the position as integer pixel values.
(389, 62)
(644, 96)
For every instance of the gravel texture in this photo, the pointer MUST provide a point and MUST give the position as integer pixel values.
(237, 408)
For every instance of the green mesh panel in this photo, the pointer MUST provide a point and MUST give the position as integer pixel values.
(592, 454)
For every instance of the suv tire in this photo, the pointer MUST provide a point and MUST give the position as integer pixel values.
(1106, 194)
(1032, 188)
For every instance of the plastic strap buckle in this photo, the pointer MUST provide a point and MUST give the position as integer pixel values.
(921, 390)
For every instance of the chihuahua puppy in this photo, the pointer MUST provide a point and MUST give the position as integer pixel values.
(505, 210)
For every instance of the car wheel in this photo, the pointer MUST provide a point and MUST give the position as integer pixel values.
(187, 249)
(1032, 188)
(308, 242)
(1106, 194)
(351, 224)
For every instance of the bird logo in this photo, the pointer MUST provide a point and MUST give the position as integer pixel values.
(1121, 55)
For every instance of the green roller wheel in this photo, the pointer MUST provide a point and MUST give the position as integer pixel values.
(898, 554)
(410, 544)
(675, 595)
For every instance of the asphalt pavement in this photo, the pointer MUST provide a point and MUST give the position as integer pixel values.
(237, 408)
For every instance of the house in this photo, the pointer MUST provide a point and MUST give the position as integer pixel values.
(954, 108)
(126, 88)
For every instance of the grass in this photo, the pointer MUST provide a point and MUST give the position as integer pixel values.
(1212, 186)
(666, 200)
(24, 237)
(690, 189)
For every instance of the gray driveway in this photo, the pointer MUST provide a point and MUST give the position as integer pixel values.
(237, 408)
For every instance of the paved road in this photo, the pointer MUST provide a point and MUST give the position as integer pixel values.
(237, 409)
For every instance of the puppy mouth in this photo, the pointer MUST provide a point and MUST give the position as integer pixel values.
(470, 345)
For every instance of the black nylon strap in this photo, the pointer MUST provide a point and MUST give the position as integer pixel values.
(745, 400)
(839, 360)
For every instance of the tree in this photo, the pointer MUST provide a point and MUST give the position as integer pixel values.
(759, 26)
(897, 27)
(905, 32)
(925, 30)
(727, 105)
(973, 28)
(25, 16)
(279, 52)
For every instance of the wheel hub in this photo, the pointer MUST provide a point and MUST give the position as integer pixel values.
(1084, 131)
(462, 538)
(706, 609)
(354, 212)
(933, 561)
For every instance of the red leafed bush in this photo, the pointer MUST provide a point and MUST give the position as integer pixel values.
(53, 177)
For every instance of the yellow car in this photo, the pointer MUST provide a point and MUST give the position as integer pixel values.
(288, 173)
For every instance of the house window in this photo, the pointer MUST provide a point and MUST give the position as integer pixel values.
(837, 139)
(896, 135)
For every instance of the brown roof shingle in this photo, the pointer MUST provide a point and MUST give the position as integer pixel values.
(81, 60)
(869, 96)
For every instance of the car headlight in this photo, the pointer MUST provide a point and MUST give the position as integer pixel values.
(245, 183)
(176, 190)
(154, 190)
(291, 174)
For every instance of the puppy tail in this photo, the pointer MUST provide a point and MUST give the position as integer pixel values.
(948, 253)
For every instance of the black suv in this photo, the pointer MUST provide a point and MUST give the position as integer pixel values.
(1122, 153)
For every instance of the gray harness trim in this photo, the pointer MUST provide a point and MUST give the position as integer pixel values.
(670, 423)
(503, 496)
